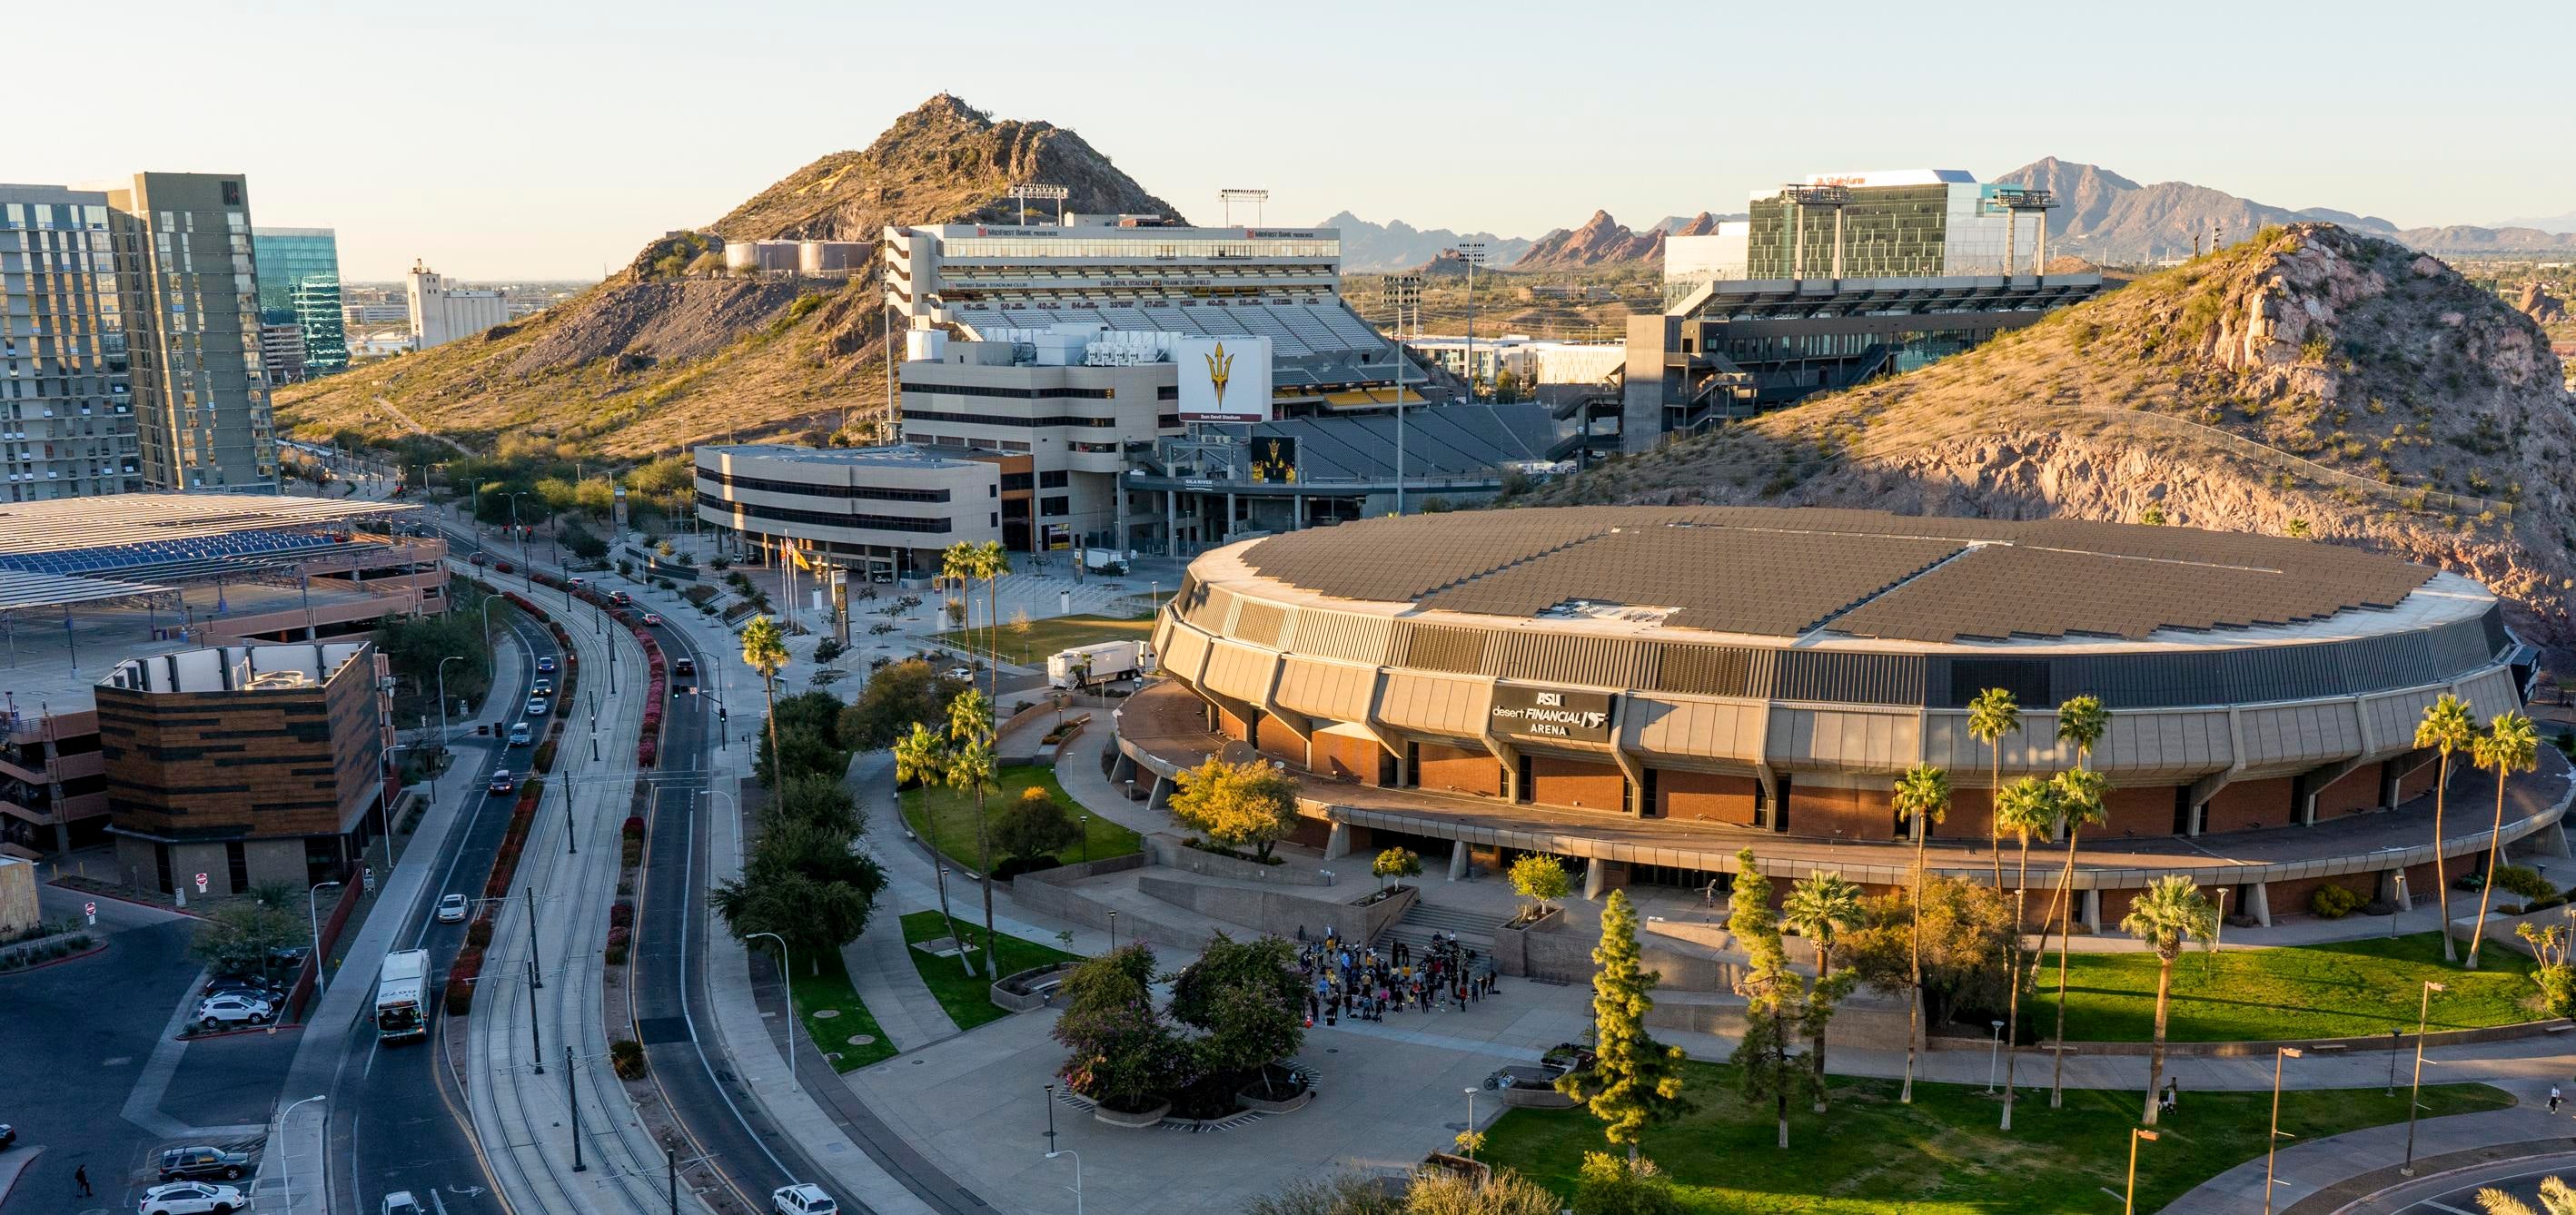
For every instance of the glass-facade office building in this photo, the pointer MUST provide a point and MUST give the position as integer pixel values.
(299, 283)
(67, 421)
(1915, 223)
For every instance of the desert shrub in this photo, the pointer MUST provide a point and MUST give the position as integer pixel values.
(627, 1056)
(2334, 902)
(479, 934)
(2523, 880)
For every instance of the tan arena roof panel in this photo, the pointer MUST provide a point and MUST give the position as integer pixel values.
(1786, 572)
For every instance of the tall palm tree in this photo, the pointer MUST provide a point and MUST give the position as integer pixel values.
(2027, 807)
(2510, 745)
(1993, 714)
(2447, 727)
(971, 768)
(764, 649)
(1820, 907)
(991, 562)
(2556, 1198)
(957, 570)
(1923, 797)
(2081, 795)
(921, 758)
(2163, 915)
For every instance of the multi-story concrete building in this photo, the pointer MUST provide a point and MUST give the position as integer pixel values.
(884, 511)
(442, 310)
(299, 283)
(281, 351)
(189, 283)
(249, 764)
(67, 421)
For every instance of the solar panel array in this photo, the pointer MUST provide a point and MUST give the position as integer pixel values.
(161, 554)
(1783, 572)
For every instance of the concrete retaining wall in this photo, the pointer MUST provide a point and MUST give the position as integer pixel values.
(1547, 950)
(1171, 851)
(1279, 912)
(1865, 1021)
(2241, 1050)
(1068, 903)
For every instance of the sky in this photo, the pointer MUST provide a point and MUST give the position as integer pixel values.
(546, 139)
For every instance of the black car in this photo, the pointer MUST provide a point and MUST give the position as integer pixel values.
(684, 666)
(233, 981)
(196, 1163)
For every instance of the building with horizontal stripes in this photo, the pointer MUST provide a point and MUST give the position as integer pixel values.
(1650, 689)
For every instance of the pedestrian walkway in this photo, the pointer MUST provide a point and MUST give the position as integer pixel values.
(879, 962)
(2303, 1170)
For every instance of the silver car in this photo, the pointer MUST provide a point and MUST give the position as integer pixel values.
(192, 1198)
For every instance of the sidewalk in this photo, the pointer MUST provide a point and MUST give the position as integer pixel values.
(2308, 1169)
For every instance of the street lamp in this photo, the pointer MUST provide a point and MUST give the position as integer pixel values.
(1468, 1139)
(1993, 1054)
(1086, 837)
(2401, 902)
(2414, 1095)
(2129, 1199)
(313, 918)
(787, 982)
(1113, 930)
(2273, 1142)
(442, 708)
(1076, 1187)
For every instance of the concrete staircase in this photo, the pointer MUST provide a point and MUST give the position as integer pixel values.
(1422, 919)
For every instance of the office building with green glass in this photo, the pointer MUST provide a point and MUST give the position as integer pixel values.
(299, 283)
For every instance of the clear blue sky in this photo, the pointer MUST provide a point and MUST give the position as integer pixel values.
(543, 138)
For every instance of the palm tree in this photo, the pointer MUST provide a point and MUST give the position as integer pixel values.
(2081, 723)
(1923, 797)
(1820, 908)
(2510, 745)
(1993, 714)
(970, 767)
(764, 649)
(2447, 727)
(922, 758)
(2027, 807)
(991, 562)
(2080, 796)
(956, 568)
(2556, 1198)
(2162, 916)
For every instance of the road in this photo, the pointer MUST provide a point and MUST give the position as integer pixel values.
(397, 1121)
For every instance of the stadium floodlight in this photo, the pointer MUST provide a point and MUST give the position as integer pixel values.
(1025, 191)
(1231, 196)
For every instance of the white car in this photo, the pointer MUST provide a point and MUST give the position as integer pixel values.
(192, 1198)
(966, 673)
(451, 909)
(233, 1008)
(803, 1198)
(400, 1202)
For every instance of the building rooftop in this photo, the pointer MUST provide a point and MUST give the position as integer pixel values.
(900, 455)
(270, 667)
(1821, 574)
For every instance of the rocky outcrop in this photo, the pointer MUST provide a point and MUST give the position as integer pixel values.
(2108, 217)
(1600, 241)
(2538, 304)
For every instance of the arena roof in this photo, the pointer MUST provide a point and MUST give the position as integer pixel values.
(1863, 574)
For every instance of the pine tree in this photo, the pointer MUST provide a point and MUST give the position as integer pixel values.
(1634, 1081)
(1775, 1000)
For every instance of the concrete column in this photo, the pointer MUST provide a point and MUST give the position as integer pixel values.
(2092, 911)
(1228, 533)
(1457, 859)
(1160, 798)
(1172, 522)
(1338, 844)
(2258, 902)
(2550, 840)
(1596, 878)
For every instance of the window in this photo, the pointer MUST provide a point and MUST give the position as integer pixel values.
(237, 866)
(1055, 507)
(1016, 480)
(1054, 479)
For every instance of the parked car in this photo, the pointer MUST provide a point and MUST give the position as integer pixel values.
(803, 1198)
(652, 620)
(501, 782)
(479, 559)
(542, 687)
(522, 734)
(545, 664)
(685, 667)
(451, 909)
(400, 1202)
(192, 1198)
(960, 672)
(233, 981)
(234, 1008)
(197, 1163)
(503, 566)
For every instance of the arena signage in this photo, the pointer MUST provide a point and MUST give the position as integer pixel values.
(1224, 379)
(1551, 713)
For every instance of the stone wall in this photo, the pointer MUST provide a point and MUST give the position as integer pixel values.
(1548, 950)
(1169, 850)
(1279, 912)
(1864, 1021)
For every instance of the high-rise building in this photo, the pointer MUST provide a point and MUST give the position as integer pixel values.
(281, 350)
(299, 280)
(187, 273)
(67, 421)
(443, 311)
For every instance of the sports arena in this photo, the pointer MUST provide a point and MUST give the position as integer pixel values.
(1646, 690)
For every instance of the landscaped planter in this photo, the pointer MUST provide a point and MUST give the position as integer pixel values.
(1024, 990)
(1136, 1121)
(1250, 1096)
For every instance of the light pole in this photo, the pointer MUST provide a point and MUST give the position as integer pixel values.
(313, 917)
(2394, 1034)
(2129, 1198)
(1113, 931)
(2414, 1095)
(1468, 1140)
(1076, 1187)
(2401, 901)
(289, 1112)
(442, 705)
(1086, 837)
(1994, 1054)
(787, 983)
(2273, 1142)
(487, 620)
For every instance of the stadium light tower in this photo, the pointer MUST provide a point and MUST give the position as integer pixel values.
(1025, 191)
(1473, 253)
(1405, 291)
(1229, 197)
(2015, 204)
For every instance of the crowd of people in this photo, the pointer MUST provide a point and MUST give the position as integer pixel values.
(1347, 979)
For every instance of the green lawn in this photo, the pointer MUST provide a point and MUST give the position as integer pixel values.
(2348, 989)
(969, 1001)
(1942, 1155)
(1052, 634)
(831, 991)
(946, 817)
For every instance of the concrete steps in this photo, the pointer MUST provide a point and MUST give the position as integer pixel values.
(1473, 930)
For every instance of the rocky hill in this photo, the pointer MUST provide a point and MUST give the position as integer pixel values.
(669, 351)
(1600, 241)
(2107, 217)
(2311, 381)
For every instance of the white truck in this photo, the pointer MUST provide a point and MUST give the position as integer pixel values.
(1085, 665)
(400, 988)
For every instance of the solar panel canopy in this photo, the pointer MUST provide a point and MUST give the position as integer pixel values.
(1788, 572)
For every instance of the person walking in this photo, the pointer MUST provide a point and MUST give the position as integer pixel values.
(2553, 1097)
(80, 1179)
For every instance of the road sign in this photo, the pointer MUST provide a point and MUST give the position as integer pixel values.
(201, 883)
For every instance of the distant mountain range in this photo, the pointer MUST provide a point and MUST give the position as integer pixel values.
(2106, 217)
(1369, 248)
